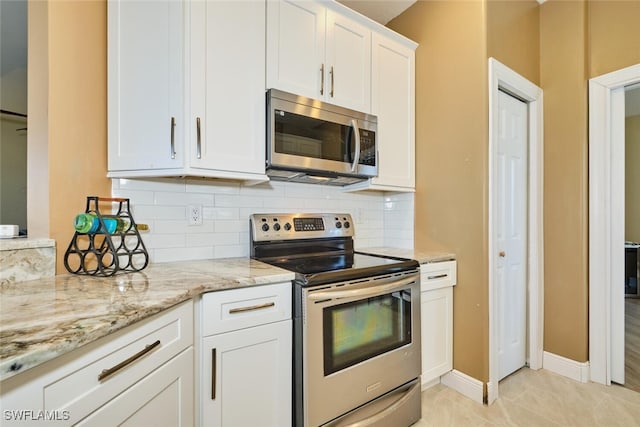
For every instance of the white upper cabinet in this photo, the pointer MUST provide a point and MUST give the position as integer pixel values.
(316, 52)
(145, 85)
(393, 102)
(186, 89)
(227, 50)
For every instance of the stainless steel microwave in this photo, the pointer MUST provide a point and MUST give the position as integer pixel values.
(316, 142)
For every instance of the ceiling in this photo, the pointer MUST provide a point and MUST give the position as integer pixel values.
(382, 11)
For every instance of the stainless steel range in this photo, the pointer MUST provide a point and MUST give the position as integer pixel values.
(356, 322)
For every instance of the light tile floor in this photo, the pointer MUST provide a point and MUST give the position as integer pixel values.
(534, 398)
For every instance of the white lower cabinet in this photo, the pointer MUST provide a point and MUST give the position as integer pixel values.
(436, 305)
(142, 375)
(246, 364)
(165, 397)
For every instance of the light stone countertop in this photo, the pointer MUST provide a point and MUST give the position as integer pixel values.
(25, 243)
(423, 257)
(45, 318)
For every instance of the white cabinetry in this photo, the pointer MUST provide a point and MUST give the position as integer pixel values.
(246, 357)
(318, 52)
(136, 376)
(436, 303)
(146, 63)
(227, 87)
(393, 101)
(183, 99)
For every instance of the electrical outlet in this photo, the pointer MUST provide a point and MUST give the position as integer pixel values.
(194, 214)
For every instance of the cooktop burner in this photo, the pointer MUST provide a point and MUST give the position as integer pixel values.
(317, 247)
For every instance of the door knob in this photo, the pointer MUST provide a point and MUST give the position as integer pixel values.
(502, 254)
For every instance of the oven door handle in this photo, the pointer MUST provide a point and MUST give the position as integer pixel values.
(363, 292)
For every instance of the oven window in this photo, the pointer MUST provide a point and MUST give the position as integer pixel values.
(359, 330)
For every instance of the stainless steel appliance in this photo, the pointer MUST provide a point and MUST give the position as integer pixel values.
(316, 142)
(356, 322)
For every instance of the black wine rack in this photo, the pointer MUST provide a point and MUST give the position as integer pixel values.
(105, 254)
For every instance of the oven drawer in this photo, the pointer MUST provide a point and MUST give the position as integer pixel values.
(235, 309)
(437, 275)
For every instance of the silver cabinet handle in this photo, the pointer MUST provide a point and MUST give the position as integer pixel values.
(213, 374)
(322, 79)
(437, 276)
(252, 308)
(356, 133)
(173, 137)
(108, 372)
(198, 139)
(331, 74)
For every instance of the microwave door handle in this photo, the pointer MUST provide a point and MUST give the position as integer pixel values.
(349, 134)
(356, 133)
(364, 292)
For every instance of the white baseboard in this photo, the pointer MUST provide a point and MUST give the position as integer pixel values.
(492, 392)
(578, 371)
(464, 384)
(429, 384)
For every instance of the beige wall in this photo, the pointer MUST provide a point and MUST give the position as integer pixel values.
(513, 35)
(632, 179)
(72, 108)
(614, 35)
(557, 45)
(451, 158)
(563, 35)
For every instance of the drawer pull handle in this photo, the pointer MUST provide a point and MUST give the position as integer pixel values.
(198, 139)
(173, 137)
(108, 372)
(251, 308)
(213, 374)
(437, 276)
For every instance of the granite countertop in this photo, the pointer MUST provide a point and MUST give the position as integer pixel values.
(25, 243)
(423, 257)
(45, 318)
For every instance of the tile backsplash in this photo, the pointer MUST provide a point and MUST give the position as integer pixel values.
(381, 219)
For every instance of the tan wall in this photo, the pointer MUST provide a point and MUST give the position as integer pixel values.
(563, 79)
(632, 179)
(77, 114)
(513, 35)
(614, 35)
(451, 158)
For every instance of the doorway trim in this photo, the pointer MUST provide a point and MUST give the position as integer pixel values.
(606, 218)
(503, 78)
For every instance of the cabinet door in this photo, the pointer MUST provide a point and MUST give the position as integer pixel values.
(145, 84)
(296, 47)
(250, 370)
(392, 100)
(163, 398)
(437, 333)
(228, 86)
(348, 53)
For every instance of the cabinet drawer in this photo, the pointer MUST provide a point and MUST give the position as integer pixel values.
(437, 275)
(119, 362)
(246, 307)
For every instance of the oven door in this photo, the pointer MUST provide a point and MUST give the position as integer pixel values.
(361, 340)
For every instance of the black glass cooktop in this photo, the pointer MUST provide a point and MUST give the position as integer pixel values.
(322, 269)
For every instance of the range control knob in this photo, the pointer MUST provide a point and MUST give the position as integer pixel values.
(287, 226)
(276, 227)
(338, 224)
(265, 227)
(347, 225)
